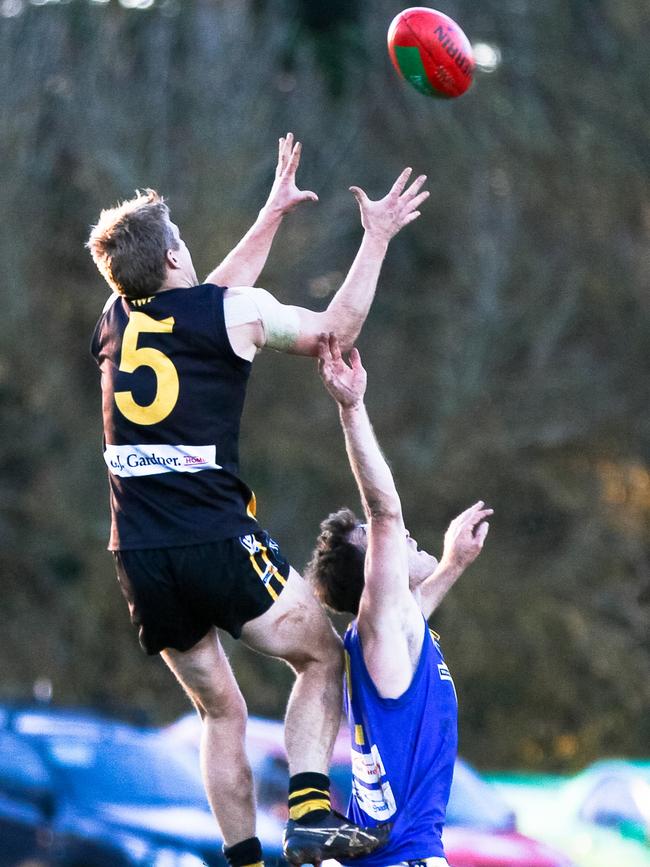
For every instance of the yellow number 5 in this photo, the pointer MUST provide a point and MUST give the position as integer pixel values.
(167, 386)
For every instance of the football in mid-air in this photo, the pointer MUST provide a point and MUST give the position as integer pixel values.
(431, 52)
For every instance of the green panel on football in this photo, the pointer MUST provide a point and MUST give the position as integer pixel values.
(410, 64)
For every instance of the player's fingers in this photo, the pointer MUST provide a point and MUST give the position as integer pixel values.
(355, 359)
(294, 158)
(359, 195)
(281, 160)
(415, 187)
(308, 196)
(400, 183)
(481, 532)
(477, 509)
(479, 515)
(335, 349)
(324, 353)
(287, 146)
(410, 217)
(470, 510)
(414, 203)
(472, 521)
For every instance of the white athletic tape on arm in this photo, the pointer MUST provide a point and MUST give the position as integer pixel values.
(249, 304)
(239, 309)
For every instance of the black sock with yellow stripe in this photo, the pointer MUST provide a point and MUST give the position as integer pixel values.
(309, 797)
(248, 853)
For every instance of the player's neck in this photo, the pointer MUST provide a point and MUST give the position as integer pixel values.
(177, 278)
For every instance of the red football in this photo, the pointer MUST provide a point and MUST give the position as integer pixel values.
(431, 52)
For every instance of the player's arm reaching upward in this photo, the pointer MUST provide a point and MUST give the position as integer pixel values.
(244, 264)
(463, 543)
(389, 620)
(396, 591)
(257, 319)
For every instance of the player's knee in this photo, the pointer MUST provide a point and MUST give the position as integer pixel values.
(322, 650)
(217, 704)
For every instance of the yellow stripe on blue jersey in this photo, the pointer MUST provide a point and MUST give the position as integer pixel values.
(348, 678)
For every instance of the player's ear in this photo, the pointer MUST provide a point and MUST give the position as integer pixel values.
(171, 258)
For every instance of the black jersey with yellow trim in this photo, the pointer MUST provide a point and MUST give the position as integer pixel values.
(173, 392)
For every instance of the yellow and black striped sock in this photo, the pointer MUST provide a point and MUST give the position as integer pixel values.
(309, 797)
(248, 853)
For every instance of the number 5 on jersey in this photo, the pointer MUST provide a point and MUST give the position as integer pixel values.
(167, 384)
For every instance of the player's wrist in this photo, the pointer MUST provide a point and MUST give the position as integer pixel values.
(451, 565)
(271, 214)
(379, 238)
(350, 407)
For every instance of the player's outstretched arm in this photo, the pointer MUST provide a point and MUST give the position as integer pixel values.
(463, 543)
(264, 321)
(348, 310)
(387, 580)
(243, 265)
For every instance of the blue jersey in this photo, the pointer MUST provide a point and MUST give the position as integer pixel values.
(173, 392)
(403, 752)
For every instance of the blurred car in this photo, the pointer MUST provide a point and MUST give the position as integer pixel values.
(480, 829)
(600, 817)
(79, 790)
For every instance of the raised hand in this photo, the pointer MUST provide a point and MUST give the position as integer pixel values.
(465, 536)
(345, 382)
(385, 217)
(285, 195)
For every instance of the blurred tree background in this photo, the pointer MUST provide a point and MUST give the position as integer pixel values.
(508, 348)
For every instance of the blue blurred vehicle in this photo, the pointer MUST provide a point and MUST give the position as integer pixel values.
(79, 790)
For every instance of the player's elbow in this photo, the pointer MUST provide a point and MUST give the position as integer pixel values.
(345, 335)
(386, 508)
(345, 330)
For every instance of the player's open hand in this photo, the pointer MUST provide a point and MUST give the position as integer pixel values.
(285, 195)
(385, 217)
(465, 536)
(345, 382)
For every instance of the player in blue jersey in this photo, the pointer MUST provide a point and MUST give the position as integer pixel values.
(175, 357)
(400, 697)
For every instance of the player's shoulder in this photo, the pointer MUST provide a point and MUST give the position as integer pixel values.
(386, 622)
(254, 294)
(110, 301)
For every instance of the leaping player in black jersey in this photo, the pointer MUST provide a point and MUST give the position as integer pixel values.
(174, 359)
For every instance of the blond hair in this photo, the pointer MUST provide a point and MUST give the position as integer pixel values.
(129, 244)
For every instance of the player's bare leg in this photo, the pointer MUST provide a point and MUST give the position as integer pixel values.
(206, 675)
(297, 630)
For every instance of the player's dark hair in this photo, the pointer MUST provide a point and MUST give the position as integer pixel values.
(336, 566)
(129, 243)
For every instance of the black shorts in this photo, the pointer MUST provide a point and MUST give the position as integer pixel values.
(176, 595)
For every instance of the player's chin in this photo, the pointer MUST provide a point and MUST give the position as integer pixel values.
(430, 561)
(422, 565)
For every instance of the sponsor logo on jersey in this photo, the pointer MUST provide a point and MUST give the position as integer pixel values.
(371, 788)
(151, 460)
(445, 674)
(250, 543)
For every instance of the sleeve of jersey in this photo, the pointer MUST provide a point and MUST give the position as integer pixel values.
(280, 322)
